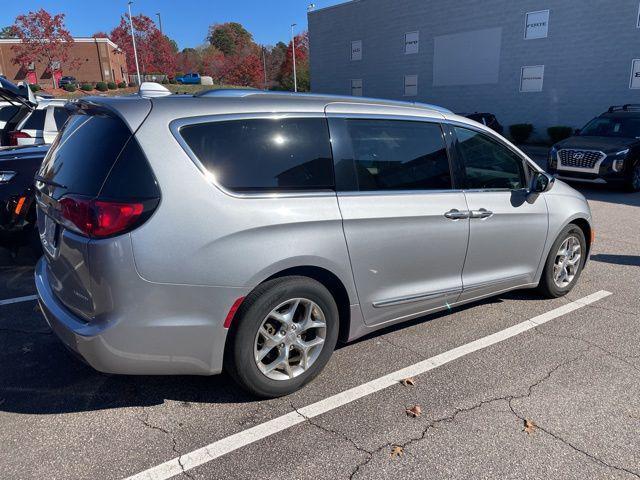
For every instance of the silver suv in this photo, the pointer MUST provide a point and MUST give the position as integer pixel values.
(251, 230)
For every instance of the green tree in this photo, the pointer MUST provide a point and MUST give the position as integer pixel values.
(7, 32)
(230, 38)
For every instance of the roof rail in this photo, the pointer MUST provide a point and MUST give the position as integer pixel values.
(625, 108)
(246, 92)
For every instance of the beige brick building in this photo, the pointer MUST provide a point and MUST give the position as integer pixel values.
(101, 60)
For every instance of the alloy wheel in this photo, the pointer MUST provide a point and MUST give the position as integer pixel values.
(635, 177)
(567, 262)
(290, 339)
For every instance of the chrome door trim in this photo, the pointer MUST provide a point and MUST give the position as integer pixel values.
(414, 298)
(177, 124)
(482, 285)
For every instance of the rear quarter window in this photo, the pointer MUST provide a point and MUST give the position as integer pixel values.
(7, 113)
(257, 155)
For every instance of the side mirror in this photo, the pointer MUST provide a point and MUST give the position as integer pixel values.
(541, 182)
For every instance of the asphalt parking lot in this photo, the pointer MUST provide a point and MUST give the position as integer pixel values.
(557, 399)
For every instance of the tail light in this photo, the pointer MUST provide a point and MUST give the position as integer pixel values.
(15, 135)
(97, 218)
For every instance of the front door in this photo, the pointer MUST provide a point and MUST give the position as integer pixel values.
(403, 221)
(508, 227)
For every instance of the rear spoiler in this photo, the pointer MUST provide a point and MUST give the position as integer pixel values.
(17, 94)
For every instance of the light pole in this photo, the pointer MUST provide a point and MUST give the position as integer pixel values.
(160, 22)
(133, 39)
(264, 66)
(293, 46)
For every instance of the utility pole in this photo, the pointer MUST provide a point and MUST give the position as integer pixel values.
(160, 22)
(133, 39)
(264, 66)
(293, 46)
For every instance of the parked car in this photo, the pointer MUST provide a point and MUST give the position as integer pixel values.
(18, 165)
(189, 79)
(606, 150)
(488, 119)
(68, 81)
(250, 230)
(41, 125)
(17, 103)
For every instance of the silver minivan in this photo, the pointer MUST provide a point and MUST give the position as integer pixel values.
(251, 230)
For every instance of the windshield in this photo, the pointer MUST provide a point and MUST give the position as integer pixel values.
(628, 127)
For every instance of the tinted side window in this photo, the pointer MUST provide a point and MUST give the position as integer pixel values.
(60, 114)
(487, 164)
(265, 154)
(35, 120)
(6, 113)
(398, 155)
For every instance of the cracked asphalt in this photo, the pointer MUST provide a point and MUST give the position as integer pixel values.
(576, 378)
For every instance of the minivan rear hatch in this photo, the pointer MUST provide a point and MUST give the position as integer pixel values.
(93, 185)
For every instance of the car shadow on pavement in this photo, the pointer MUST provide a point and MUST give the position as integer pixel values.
(604, 193)
(632, 260)
(38, 376)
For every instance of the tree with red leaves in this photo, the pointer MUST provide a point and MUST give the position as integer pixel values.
(302, 64)
(44, 39)
(155, 51)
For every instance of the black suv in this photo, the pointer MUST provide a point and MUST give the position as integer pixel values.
(606, 150)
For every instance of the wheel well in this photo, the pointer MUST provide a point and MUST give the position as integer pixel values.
(586, 229)
(335, 287)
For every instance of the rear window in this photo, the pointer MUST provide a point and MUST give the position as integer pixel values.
(60, 114)
(84, 153)
(7, 113)
(35, 121)
(264, 154)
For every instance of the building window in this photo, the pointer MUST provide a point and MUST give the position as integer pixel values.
(410, 85)
(356, 50)
(634, 83)
(531, 78)
(356, 87)
(411, 42)
(536, 25)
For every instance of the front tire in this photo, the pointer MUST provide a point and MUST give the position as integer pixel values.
(564, 263)
(284, 334)
(633, 184)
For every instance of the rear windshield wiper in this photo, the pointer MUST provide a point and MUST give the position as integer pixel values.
(49, 182)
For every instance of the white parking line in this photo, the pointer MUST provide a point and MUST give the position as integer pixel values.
(233, 442)
(9, 301)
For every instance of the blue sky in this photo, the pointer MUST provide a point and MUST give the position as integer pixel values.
(185, 21)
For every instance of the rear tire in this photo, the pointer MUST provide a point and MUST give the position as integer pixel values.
(279, 322)
(564, 263)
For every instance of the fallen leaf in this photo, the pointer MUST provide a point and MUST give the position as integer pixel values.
(414, 411)
(529, 426)
(408, 382)
(396, 451)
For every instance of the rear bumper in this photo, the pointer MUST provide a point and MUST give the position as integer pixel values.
(138, 344)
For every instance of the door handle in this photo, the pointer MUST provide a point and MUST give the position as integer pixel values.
(482, 213)
(456, 214)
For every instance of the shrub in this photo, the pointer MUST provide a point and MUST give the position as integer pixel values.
(101, 87)
(520, 132)
(133, 84)
(122, 85)
(112, 86)
(69, 87)
(85, 87)
(559, 133)
(35, 87)
(172, 81)
(165, 81)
